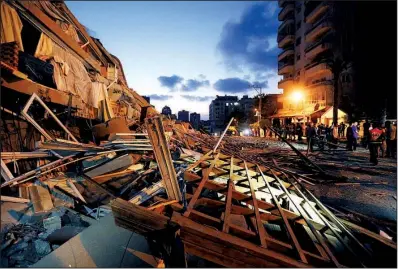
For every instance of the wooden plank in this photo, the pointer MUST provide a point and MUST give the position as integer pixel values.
(285, 221)
(147, 193)
(75, 190)
(200, 187)
(24, 112)
(41, 199)
(137, 218)
(162, 204)
(5, 172)
(161, 150)
(114, 164)
(131, 169)
(25, 155)
(4, 198)
(29, 87)
(228, 242)
(227, 211)
(260, 227)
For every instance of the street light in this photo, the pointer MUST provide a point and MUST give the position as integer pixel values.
(297, 96)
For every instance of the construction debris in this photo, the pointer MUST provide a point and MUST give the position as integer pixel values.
(73, 153)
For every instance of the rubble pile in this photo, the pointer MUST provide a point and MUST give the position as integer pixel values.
(77, 146)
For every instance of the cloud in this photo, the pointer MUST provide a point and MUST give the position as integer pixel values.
(160, 97)
(251, 42)
(170, 82)
(236, 85)
(193, 84)
(198, 98)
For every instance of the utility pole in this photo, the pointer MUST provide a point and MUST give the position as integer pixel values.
(258, 89)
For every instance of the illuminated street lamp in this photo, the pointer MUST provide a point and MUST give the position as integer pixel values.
(297, 96)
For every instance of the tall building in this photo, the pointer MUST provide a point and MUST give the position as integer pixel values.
(166, 111)
(309, 38)
(183, 115)
(219, 111)
(246, 105)
(194, 119)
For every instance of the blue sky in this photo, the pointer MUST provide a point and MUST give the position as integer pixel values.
(182, 54)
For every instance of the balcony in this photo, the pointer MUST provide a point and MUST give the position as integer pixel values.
(285, 11)
(318, 29)
(328, 82)
(317, 68)
(285, 82)
(285, 53)
(284, 68)
(285, 40)
(285, 23)
(316, 48)
(316, 12)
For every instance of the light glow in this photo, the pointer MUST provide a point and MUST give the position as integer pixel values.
(297, 96)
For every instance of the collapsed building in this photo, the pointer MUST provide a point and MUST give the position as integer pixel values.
(76, 139)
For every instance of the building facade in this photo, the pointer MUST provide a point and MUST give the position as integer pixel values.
(166, 110)
(183, 115)
(307, 37)
(247, 105)
(194, 119)
(220, 109)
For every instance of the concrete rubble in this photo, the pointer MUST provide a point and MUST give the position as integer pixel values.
(72, 157)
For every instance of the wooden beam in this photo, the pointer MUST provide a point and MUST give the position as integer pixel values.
(226, 244)
(227, 211)
(202, 183)
(285, 221)
(4, 198)
(260, 227)
(161, 150)
(5, 172)
(29, 87)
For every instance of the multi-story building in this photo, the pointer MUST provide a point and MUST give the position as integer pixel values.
(307, 37)
(220, 109)
(194, 119)
(183, 115)
(166, 110)
(247, 106)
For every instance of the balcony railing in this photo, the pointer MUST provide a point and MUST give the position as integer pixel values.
(285, 22)
(284, 64)
(322, 81)
(286, 40)
(322, 26)
(285, 81)
(317, 67)
(316, 12)
(288, 51)
(285, 11)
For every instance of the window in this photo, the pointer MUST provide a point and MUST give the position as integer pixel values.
(298, 25)
(298, 41)
(298, 59)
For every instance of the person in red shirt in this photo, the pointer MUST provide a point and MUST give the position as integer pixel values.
(376, 138)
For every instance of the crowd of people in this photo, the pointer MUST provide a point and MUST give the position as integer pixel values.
(379, 139)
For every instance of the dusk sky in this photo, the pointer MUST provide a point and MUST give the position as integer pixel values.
(183, 54)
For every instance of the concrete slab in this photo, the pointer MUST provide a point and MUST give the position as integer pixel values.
(101, 245)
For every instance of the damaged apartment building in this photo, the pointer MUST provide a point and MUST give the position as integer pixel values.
(47, 52)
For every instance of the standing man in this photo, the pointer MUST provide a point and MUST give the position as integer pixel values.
(342, 129)
(376, 136)
(310, 134)
(350, 137)
(355, 134)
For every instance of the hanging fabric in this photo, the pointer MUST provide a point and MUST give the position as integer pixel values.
(11, 25)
